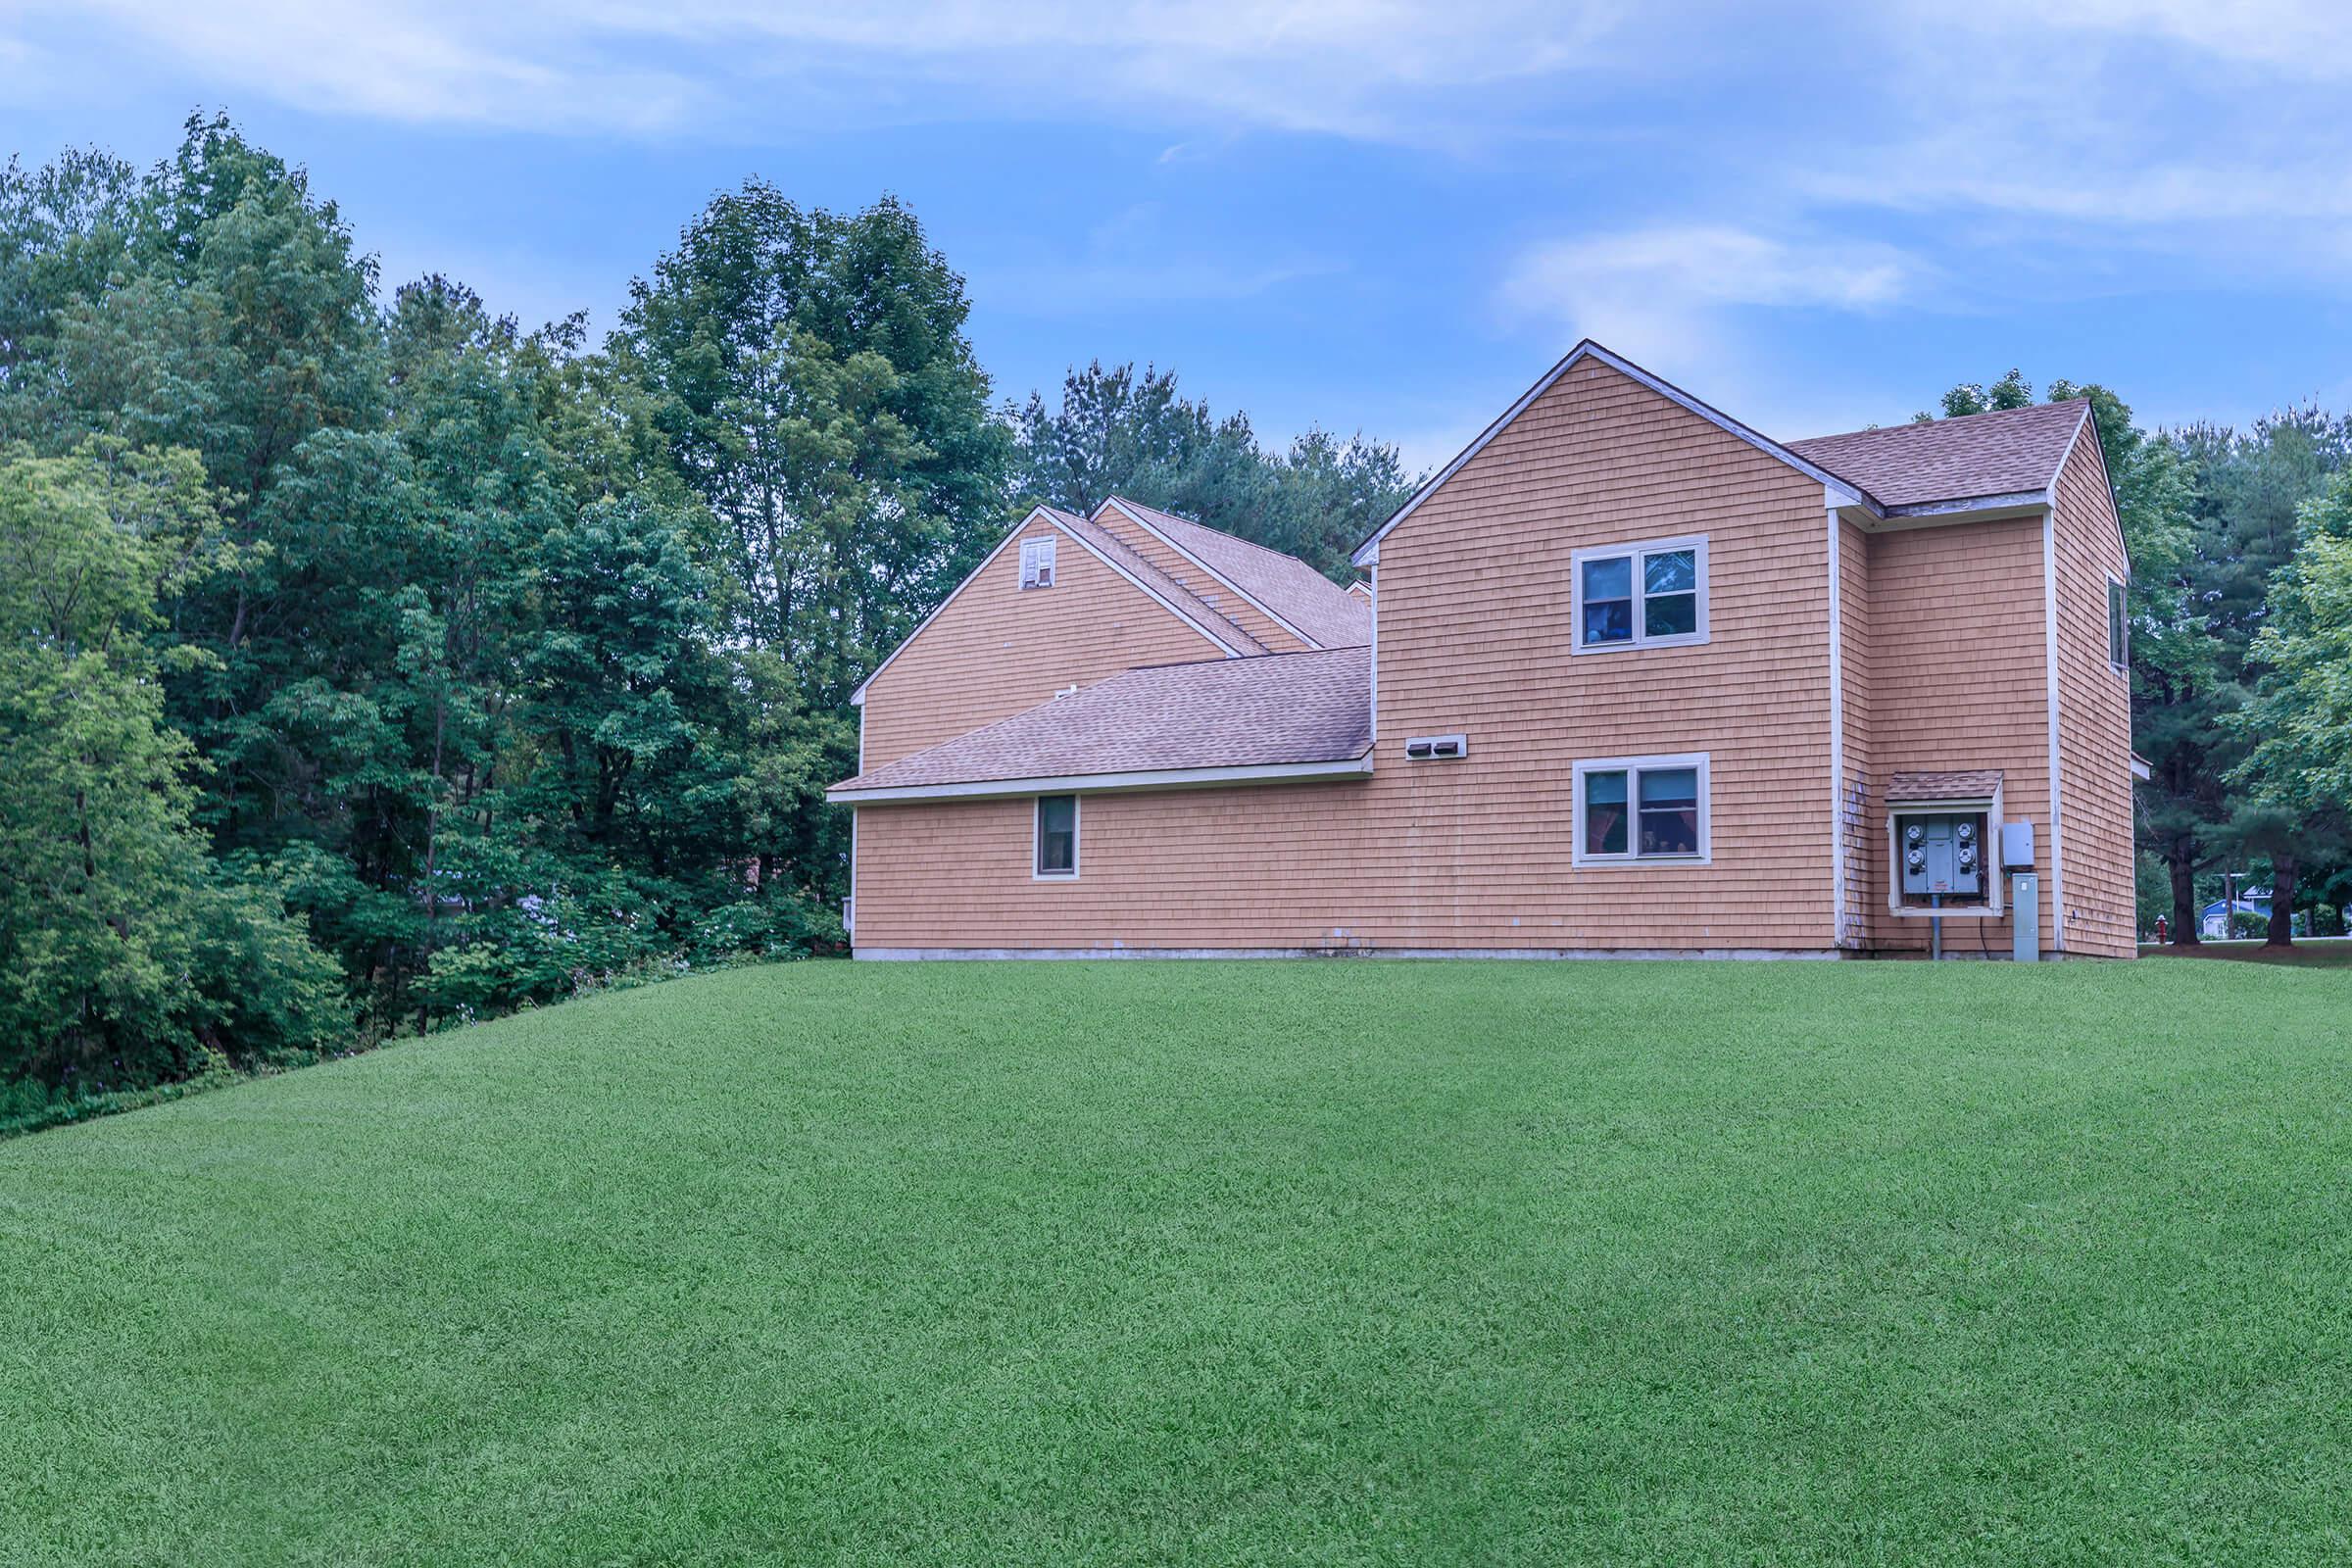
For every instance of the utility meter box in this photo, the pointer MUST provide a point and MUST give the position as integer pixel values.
(1942, 855)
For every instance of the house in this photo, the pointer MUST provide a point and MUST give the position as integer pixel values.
(2213, 920)
(1628, 678)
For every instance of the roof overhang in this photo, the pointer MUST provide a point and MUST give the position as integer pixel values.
(1966, 509)
(1169, 778)
(1845, 492)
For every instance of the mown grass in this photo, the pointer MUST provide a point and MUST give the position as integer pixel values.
(2307, 953)
(1268, 1263)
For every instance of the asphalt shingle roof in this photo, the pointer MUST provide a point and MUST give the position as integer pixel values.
(1957, 785)
(1296, 592)
(1313, 706)
(1998, 453)
(1167, 587)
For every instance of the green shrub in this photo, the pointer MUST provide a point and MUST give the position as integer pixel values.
(775, 927)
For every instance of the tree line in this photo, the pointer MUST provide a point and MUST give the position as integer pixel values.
(2240, 622)
(373, 663)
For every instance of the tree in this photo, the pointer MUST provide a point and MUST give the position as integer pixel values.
(1120, 431)
(2179, 691)
(126, 955)
(64, 228)
(811, 373)
(2246, 488)
(2011, 391)
(2297, 722)
(493, 665)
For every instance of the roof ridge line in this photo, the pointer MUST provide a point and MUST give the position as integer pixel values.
(1937, 422)
(1134, 513)
(1224, 533)
(1063, 520)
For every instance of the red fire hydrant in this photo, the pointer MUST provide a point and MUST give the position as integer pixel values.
(2160, 930)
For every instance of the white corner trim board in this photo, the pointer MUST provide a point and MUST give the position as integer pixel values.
(1828, 499)
(2049, 644)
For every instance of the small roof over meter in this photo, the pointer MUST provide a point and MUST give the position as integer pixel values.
(1966, 785)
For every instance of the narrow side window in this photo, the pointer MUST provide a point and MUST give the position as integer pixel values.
(1037, 563)
(2119, 635)
(1608, 600)
(1057, 835)
(1604, 813)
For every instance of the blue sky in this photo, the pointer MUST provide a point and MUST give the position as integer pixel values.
(1354, 213)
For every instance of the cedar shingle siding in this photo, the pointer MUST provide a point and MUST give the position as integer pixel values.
(1942, 666)
(995, 650)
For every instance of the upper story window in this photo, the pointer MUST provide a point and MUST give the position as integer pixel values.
(2119, 635)
(1643, 808)
(1640, 596)
(1037, 562)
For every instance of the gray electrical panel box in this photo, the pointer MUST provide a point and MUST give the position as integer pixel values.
(1943, 855)
(2017, 846)
(2025, 919)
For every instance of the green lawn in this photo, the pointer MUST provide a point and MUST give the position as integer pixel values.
(1250, 1264)
(2308, 952)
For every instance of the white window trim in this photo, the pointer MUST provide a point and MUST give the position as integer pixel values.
(1632, 766)
(2116, 622)
(1698, 546)
(1038, 560)
(1037, 838)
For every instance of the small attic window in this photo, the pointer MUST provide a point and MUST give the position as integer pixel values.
(1037, 563)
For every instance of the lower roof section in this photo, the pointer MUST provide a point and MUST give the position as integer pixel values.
(1169, 726)
(1169, 778)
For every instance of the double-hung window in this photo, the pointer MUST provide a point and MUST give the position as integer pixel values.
(1037, 562)
(1636, 809)
(1640, 596)
(2119, 635)
(1056, 836)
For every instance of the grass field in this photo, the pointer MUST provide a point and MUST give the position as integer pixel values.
(2307, 953)
(1234, 1263)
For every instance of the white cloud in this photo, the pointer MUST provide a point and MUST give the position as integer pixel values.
(2300, 37)
(2178, 124)
(1661, 291)
(411, 59)
(1383, 69)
